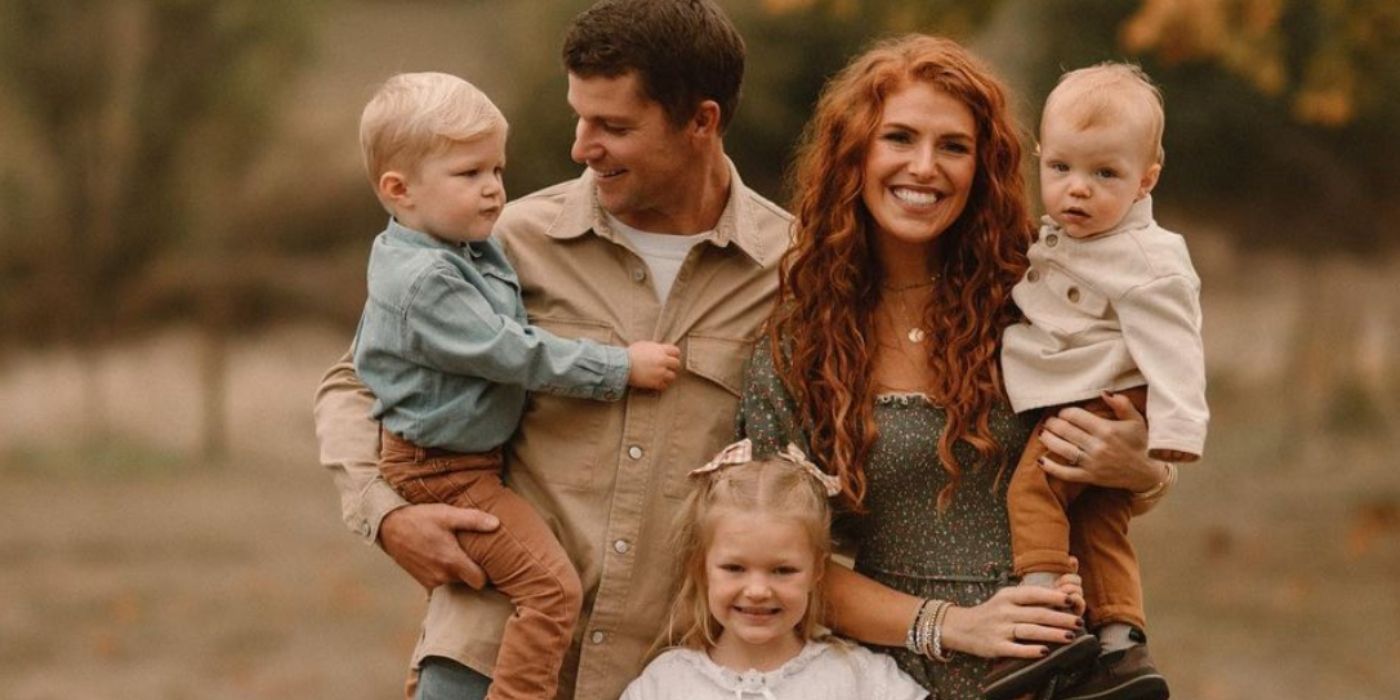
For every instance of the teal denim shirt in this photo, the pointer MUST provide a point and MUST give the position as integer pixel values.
(446, 348)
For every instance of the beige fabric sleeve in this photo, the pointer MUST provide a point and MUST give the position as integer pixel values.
(349, 448)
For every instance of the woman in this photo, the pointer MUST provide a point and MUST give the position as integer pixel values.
(882, 360)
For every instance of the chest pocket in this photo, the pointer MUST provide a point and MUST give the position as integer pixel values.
(570, 448)
(505, 296)
(702, 421)
(1065, 305)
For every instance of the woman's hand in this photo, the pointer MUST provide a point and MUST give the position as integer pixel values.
(1017, 621)
(1110, 453)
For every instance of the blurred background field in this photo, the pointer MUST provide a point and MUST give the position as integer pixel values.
(183, 228)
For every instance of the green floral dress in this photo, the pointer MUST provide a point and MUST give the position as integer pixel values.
(962, 555)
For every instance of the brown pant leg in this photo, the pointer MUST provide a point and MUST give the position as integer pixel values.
(1107, 561)
(521, 558)
(1036, 505)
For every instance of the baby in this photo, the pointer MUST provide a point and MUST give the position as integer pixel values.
(446, 348)
(1112, 307)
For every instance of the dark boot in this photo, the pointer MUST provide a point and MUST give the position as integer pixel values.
(1127, 674)
(1011, 678)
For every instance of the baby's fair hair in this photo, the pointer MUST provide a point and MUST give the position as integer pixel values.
(775, 487)
(1106, 93)
(414, 115)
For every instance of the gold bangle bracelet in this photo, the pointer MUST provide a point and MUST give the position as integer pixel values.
(1161, 486)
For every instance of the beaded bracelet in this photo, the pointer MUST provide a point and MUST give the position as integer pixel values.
(937, 653)
(913, 639)
(928, 634)
(927, 626)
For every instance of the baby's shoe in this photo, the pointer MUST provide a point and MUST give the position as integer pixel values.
(1126, 674)
(1012, 678)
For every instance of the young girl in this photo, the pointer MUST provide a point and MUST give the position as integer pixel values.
(753, 543)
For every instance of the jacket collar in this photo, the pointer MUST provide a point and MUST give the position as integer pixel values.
(418, 239)
(582, 214)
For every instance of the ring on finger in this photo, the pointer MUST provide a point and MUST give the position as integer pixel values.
(1078, 455)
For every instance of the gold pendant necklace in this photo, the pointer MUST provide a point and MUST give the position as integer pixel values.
(916, 334)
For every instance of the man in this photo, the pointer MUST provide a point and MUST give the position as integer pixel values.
(658, 239)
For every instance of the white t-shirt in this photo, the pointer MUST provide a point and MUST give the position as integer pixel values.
(662, 252)
(821, 671)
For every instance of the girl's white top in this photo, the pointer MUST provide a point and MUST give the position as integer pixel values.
(821, 671)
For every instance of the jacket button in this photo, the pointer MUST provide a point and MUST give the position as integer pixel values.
(634, 452)
(1033, 275)
(598, 637)
(1051, 240)
(1073, 294)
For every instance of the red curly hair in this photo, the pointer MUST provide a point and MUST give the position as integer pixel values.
(823, 331)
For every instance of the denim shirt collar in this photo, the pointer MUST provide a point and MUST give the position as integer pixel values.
(398, 232)
(582, 213)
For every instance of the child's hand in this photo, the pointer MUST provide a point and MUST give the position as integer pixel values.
(1072, 585)
(654, 365)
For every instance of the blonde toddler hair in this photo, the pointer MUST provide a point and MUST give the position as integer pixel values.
(413, 115)
(775, 487)
(1109, 92)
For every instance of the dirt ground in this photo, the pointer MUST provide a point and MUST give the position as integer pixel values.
(135, 571)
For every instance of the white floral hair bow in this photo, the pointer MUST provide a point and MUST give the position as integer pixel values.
(741, 452)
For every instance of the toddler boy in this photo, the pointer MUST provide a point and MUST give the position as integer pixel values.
(446, 348)
(1112, 306)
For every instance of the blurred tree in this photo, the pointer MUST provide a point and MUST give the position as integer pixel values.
(1327, 58)
(130, 107)
(1280, 112)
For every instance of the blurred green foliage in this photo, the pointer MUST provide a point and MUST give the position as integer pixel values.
(130, 111)
(134, 126)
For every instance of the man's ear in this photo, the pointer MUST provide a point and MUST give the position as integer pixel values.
(393, 189)
(1149, 180)
(705, 123)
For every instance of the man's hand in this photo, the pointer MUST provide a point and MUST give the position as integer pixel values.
(422, 539)
(653, 365)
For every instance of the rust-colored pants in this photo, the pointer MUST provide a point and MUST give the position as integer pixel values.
(1052, 519)
(521, 558)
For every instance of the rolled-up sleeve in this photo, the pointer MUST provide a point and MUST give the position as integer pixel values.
(349, 448)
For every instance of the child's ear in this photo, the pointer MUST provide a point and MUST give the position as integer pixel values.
(393, 188)
(1149, 180)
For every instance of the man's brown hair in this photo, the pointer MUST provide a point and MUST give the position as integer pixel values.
(684, 52)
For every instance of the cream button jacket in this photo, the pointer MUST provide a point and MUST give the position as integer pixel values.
(1111, 312)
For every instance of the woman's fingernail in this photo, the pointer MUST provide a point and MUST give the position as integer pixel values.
(1069, 600)
(1069, 636)
(1044, 651)
(1079, 623)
